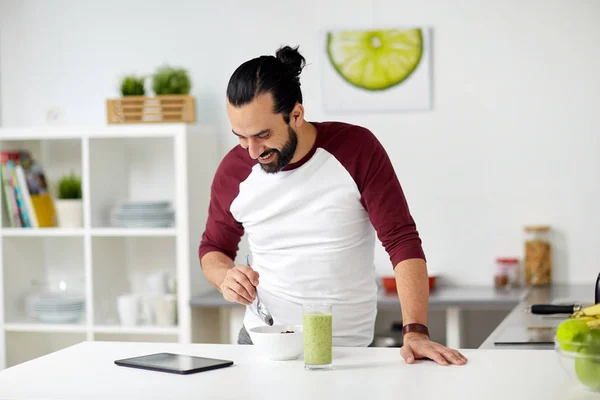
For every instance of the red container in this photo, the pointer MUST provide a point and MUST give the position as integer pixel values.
(432, 280)
(389, 283)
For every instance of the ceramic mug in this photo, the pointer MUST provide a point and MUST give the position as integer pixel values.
(165, 309)
(128, 307)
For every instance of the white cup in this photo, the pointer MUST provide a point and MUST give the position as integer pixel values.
(128, 306)
(157, 282)
(165, 309)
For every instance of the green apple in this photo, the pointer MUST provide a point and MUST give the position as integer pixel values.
(570, 334)
(592, 341)
(587, 369)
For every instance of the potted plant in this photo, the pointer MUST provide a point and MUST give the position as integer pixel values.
(133, 85)
(169, 80)
(172, 101)
(69, 208)
(172, 86)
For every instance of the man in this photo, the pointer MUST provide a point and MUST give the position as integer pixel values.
(311, 196)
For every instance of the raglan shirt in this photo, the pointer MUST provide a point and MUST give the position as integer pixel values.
(311, 227)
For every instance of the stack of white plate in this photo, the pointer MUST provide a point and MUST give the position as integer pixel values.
(56, 307)
(143, 214)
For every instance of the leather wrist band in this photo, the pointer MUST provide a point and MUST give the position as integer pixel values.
(420, 328)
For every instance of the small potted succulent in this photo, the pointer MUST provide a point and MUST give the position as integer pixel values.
(68, 204)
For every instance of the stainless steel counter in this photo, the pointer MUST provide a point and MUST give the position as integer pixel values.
(533, 327)
(464, 297)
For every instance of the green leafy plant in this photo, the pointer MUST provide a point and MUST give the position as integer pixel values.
(133, 86)
(171, 80)
(69, 187)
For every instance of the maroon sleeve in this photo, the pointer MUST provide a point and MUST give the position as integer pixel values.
(223, 232)
(381, 194)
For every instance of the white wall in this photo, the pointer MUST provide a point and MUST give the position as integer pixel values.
(512, 138)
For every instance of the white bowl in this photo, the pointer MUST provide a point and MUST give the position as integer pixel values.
(278, 346)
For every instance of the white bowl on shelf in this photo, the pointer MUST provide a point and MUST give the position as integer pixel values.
(275, 345)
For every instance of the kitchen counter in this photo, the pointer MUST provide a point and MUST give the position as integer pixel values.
(464, 297)
(477, 297)
(86, 370)
(452, 300)
(532, 326)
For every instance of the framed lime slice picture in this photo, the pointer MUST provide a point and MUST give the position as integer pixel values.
(375, 60)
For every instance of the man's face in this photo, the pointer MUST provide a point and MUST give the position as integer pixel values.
(264, 134)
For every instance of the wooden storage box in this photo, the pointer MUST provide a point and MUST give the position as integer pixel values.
(140, 109)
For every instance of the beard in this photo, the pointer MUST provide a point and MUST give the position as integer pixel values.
(284, 156)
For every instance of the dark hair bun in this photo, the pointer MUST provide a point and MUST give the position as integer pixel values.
(291, 59)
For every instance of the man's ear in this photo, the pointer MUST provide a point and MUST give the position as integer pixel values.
(297, 116)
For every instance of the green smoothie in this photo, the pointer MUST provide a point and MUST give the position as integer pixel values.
(317, 329)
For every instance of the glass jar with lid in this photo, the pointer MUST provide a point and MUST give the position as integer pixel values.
(507, 272)
(538, 255)
(501, 276)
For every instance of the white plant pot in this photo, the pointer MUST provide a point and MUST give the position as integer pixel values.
(69, 213)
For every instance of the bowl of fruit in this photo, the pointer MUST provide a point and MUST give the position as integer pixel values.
(577, 344)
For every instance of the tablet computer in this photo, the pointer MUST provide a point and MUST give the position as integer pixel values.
(174, 363)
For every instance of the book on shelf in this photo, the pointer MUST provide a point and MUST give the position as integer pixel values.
(27, 199)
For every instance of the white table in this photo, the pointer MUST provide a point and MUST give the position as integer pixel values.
(87, 371)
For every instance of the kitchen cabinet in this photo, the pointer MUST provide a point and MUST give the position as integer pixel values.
(102, 260)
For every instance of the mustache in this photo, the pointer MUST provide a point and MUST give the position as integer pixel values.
(269, 151)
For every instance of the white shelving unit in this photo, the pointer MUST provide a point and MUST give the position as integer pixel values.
(174, 162)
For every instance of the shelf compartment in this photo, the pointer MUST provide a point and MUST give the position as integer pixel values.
(130, 169)
(25, 346)
(130, 265)
(30, 264)
(56, 157)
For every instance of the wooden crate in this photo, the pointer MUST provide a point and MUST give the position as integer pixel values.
(144, 109)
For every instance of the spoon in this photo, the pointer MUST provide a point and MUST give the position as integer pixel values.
(262, 311)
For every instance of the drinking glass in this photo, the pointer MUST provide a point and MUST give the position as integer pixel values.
(318, 335)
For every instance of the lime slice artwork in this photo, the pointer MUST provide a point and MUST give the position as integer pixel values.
(375, 60)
